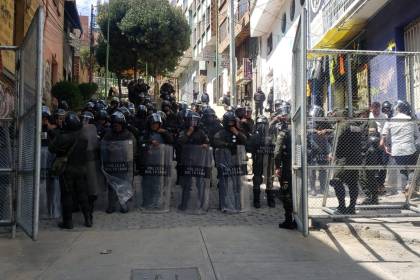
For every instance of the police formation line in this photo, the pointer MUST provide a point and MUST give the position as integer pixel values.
(106, 146)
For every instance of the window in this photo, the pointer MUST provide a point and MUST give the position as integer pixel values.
(292, 10)
(284, 23)
(269, 44)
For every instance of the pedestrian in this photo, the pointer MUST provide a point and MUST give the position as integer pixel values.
(259, 98)
(195, 96)
(270, 101)
(403, 136)
(226, 99)
(378, 115)
(70, 146)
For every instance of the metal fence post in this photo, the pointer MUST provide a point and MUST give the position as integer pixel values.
(349, 85)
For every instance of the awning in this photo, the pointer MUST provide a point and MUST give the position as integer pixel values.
(71, 13)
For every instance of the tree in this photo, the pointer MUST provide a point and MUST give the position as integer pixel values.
(159, 31)
(122, 52)
(69, 92)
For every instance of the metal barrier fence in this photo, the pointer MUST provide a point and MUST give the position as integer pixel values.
(20, 135)
(362, 154)
(298, 115)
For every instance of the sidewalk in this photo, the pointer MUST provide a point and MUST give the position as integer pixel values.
(218, 253)
(256, 250)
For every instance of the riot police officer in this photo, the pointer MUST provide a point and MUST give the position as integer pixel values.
(156, 134)
(231, 136)
(102, 123)
(260, 145)
(113, 106)
(70, 144)
(283, 162)
(348, 152)
(118, 132)
(193, 134)
(210, 124)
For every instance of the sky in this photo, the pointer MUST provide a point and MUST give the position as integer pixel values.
(84, 6)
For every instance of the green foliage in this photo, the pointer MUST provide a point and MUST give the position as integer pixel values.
(69, 92)
(144, 31)
(87, 90)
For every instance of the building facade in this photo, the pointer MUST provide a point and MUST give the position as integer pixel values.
(196, 72)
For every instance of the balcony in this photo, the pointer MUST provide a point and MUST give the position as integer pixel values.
(242, 29)
(339, 21)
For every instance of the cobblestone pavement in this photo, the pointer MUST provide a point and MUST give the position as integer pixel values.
(136, 219)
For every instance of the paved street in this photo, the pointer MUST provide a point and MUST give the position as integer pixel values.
(243, 246)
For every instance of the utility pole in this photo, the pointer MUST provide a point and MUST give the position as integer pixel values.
(107, 50)
(232, 53)
(217, 53)
(92, 21)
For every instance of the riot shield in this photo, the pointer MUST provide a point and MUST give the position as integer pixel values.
(117, 167)
(195, 176)
(49, 189)
(157, 177)
(264, 161)
(233, 187)
(95, 177)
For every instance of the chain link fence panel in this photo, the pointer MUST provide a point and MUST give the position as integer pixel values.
(363, 133)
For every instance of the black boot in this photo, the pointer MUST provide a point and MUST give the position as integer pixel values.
(88, 219)
(257, 202)
(66, 224)
(270, 198)
(288, 223)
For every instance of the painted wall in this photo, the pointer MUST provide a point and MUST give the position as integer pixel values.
(276, 68)
(388, 25)
(53, 45)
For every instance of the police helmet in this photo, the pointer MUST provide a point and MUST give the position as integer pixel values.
(63, 105)
(90, 106)
(59, 113)
(132, 108)
(118, 117)
(284, 109)
(277, 104)
(102, 115)
(240, 112)
(229, 119)
(165, 103)
(115, 100)
(46, 112)
(261, 123)
(316, 112)
(162, 115)
(183, 106)
(125, 111)
(403, 107)
(192, 119)
(142, 111)
(86, 117)
(72, 121)
(155, 118)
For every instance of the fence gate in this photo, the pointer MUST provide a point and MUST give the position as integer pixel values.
(20, 135)
(298, 114)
